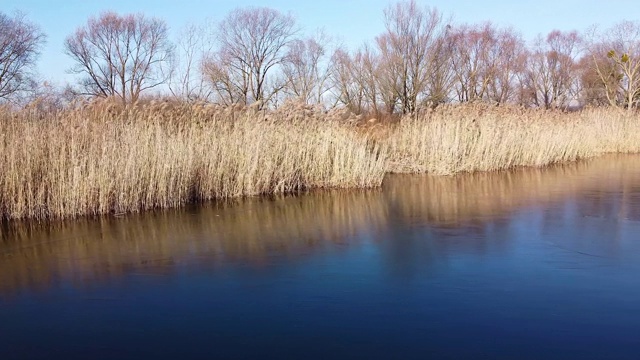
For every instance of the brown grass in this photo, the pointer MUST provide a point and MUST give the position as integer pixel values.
(102, 159)
(482, 138)
(97, 161)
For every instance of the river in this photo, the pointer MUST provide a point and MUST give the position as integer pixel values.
(522, 264)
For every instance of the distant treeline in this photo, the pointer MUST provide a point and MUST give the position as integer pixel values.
(258, 56)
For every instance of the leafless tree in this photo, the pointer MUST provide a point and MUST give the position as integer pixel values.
(253, 45)
(347, 89)
(551, 69)
(229, 79)
(510, 55)
(412, 48)
(20, 43)
(48, 98)
(616, 59)
(440, 77)
(475, 61)
(185, 75)
(365, 73)
(120, 56)
(306, 69)
(485, 62)
(592, 89)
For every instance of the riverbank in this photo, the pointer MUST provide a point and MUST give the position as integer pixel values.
(479, 138)
(101, 159)
(91, 251)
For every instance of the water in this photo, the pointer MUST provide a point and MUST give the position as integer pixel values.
(527, 264)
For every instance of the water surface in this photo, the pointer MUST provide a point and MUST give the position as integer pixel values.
(526, 264)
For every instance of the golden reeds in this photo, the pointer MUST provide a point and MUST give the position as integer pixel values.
(116, 161)
(102, 159)
(482, 138)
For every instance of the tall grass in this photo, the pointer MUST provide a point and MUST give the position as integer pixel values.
(103, 159)
(97, 161)
(482, 138)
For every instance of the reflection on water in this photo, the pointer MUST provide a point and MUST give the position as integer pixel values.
(531, 263)
(480, 196)
(251, 231)
(255, 230)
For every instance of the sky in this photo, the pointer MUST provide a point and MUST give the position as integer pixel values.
(352, 22)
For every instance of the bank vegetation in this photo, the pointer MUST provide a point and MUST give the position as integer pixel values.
(103, 158)
(251, 105)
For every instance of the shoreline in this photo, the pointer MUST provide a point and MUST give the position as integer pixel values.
(248, 229)
(100, 160)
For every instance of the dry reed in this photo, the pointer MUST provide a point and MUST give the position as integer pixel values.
(105, 160)
(482, 138)
(102, 159)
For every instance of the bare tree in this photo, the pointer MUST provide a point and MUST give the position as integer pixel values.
(485, 62)
(440, 77)
(48, 98)
(253, 44)
(347, 89)
(20, 43)
(120, 56)
(551, 69)
(594, 90)
(306, 69)
(616, 60)
(475, 61)
(367, 73)
(228, 78)
(412, 49)
(185, 75)
(510, 52)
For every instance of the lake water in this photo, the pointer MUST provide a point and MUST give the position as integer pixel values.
(526, 264)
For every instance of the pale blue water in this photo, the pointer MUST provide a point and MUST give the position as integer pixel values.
(536, 264)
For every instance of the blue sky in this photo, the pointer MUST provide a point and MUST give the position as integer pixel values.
(352, 21)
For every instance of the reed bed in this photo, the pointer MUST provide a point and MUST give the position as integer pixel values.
(107, 160)
(101, 158)
(252, 231)
(482, 138)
